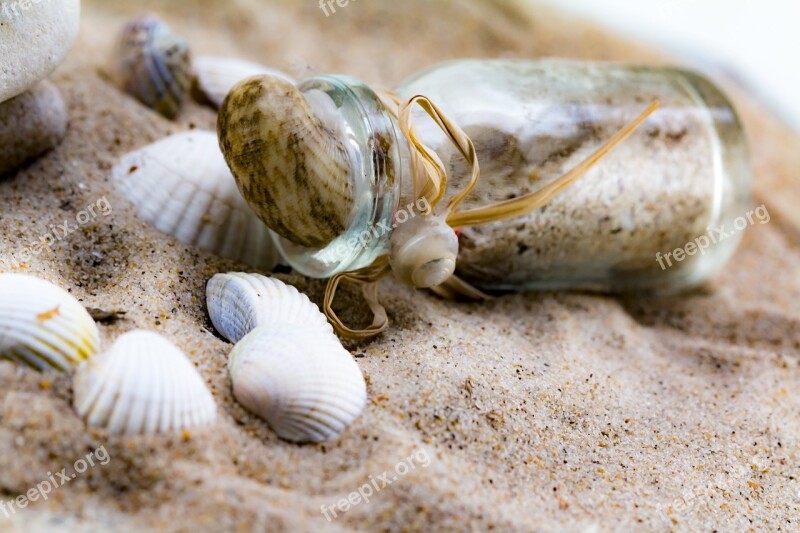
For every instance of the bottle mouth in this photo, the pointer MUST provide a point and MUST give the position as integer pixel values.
(377, 150)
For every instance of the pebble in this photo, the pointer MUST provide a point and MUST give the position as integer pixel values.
(30, 125)
(35, 37)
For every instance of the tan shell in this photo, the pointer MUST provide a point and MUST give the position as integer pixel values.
(289, 159)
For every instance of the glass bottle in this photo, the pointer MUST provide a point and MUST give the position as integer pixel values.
(644, 218)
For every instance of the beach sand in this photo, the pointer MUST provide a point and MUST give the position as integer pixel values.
(533, 412)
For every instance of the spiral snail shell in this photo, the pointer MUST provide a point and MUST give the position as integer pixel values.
(287, 151)
(424, 251)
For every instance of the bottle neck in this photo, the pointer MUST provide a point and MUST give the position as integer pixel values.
(379, 171)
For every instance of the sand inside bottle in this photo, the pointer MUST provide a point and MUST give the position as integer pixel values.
(682, 172)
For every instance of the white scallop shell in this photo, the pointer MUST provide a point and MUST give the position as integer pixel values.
(42, 325)
(300, 380)
(142, 384)
(239, 302)
(214, 77)
(183, 187)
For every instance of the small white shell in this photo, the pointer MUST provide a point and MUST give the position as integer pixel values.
(239, 302)
(300, 380)
(424, 251)
(42, 325)
(214, 77)
(142, 384)
(182, 186)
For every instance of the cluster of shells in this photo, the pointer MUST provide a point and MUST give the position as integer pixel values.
(141, 384)
(181, 184)
(287, 366)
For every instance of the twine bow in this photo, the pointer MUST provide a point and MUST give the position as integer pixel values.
(430, 183)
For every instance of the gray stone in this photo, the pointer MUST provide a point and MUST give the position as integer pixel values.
(30, 125)
(35, 36)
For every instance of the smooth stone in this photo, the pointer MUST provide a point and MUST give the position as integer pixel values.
(35, 37)
(30, 125)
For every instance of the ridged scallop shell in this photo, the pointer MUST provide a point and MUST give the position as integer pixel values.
(299, 379)
(142, 384)
(214, 77)
(287, 150)
(152, 64)
(42, 325)
(182, 186)
(239, 302)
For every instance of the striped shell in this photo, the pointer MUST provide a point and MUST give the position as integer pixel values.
(152, 64)
(287, 151)
(42, 325)
(239, 302)
(182, 186)
(214, 77)
(143, 384)
(299, 379)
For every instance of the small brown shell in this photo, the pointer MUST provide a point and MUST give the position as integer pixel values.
(289, 159)
(152, 64)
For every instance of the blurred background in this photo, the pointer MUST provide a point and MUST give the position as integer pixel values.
(755, 42)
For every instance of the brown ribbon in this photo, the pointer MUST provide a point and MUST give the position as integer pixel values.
(430, 182)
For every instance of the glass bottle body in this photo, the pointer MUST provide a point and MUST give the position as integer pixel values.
(643, 218)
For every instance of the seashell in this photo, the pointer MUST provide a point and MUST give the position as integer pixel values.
(35, 37)
(182, 186)
(30, 125)
(424, 250)
(287, 151)
(239, 302)
(152, 64)
(300, 380)
(42, 325)
(142, 384)
(214, 77)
